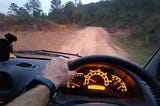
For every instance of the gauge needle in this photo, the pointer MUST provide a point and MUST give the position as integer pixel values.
(75, 84)
(92, 80)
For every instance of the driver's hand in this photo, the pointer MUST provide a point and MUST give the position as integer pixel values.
(58, 72)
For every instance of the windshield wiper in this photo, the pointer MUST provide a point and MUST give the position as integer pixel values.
(46, 53)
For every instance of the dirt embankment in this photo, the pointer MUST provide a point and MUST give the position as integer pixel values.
(8, 23)
(88, 41)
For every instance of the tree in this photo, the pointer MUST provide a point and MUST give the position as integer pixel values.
(22, 12)
(34, 8)
(13, 9)
(79, 13)
(78, 3)
(157, 5)
(55, 4)
(56, 11)
(23, 16)
(69, 12)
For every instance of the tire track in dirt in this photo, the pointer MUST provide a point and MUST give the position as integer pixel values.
(91, 41)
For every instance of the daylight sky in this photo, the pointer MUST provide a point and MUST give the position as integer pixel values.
(4, 4)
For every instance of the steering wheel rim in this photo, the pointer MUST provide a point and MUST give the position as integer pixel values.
(137, 70)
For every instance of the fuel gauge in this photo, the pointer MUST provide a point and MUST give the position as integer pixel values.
(118, 83)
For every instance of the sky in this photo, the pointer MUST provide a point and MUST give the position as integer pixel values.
(4, 4)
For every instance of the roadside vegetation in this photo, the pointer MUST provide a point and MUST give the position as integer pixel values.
(142, 17)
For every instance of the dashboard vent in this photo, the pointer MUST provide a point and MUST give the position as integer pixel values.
(157, 97)
(23, 64)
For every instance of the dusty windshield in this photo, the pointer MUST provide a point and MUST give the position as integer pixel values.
(128, 29)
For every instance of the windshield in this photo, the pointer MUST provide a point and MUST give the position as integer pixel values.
(128, 29)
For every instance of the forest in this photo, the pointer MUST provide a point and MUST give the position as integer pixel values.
(141, 16)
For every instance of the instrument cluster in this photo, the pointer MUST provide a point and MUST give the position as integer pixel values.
(104, 80)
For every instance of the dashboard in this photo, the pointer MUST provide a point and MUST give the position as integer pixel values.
(5, 81)
(95, 83)
(16, 74)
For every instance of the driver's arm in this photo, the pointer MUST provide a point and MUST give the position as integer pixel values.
(57, 71)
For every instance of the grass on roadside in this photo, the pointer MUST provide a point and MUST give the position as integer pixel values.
(137, 53)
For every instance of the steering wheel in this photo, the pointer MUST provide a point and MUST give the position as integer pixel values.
(131, 67)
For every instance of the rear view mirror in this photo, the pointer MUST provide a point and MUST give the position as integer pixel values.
(6, 46)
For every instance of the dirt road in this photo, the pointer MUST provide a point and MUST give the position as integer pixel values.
(92, 40)
(87, 41)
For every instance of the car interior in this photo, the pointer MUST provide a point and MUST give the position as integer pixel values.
(101, 80)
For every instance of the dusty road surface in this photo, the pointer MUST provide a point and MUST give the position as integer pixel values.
(90, 41)
(87, 41)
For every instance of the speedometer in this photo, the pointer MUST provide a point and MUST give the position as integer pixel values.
(101, 80)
